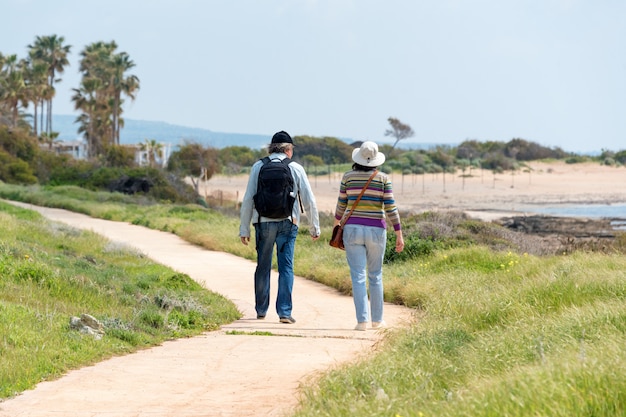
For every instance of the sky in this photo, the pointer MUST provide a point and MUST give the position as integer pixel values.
(547, 71)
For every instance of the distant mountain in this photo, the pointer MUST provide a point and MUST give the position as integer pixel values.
(137, 131)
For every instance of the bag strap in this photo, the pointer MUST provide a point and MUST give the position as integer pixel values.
(345, 219)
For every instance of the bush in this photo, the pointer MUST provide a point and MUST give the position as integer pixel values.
(18, 144)
(414, 247)
(65, 171)
(155, 183)
(428, 232)
(15, 171)
(118, 156)
(576, 159)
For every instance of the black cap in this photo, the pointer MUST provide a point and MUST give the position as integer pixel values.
(282, 137)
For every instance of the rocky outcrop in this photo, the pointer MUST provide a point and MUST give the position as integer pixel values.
(577, 227)
(87, 324)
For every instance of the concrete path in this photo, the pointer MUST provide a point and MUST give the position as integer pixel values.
(217, 373)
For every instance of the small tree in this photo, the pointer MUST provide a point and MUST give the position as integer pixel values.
(153, 150)
(398, 130)
(48, 138)
(194, 161)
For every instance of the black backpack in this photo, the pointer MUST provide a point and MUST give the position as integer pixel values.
(275, 196)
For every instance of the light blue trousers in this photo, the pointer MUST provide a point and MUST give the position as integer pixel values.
(365, 249)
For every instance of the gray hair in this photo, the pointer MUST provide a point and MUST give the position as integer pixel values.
(279, 147)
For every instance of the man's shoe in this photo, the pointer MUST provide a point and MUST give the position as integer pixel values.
(260, 317)
(379, 324)
(361, 327)
(288, 320)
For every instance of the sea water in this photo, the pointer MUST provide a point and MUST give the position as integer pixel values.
(613, 211)
(585, 210)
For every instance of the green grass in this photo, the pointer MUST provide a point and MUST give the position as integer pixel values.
(543, 337)
(50, 272)
(497, 332)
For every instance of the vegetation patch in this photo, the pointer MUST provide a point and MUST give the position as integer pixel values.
(49, 273)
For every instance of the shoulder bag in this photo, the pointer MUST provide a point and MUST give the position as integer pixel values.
(336, 241)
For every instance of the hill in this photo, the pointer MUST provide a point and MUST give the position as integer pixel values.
(137, 131)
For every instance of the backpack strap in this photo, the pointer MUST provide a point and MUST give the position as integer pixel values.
(299, 198)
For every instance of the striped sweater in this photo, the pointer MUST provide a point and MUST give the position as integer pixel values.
(376, 204)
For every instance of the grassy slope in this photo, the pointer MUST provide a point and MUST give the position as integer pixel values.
(529, 337)
(50, 272)
(498, 333)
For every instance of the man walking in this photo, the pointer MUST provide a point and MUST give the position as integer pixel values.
(277, 190)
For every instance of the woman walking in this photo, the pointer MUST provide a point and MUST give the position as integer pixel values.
(364, 204)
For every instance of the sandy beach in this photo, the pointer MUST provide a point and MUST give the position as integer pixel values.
(481, 195)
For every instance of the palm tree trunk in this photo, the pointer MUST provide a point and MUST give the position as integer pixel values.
(50, 116)
(41, 113)
(35, 118)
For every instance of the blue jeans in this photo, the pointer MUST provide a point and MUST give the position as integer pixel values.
(365, 250)
(283, 235)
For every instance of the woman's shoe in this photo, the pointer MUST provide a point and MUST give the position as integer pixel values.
(361, 327)
(379, 324)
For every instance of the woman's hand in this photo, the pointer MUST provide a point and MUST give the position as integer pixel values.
(399, 241)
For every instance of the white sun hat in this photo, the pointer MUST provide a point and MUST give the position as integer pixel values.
(367, 155)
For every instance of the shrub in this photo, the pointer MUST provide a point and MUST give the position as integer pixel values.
(576, 159)
(118, 156)
(18, 144)
(428, 232)
(67, 171)
(15, 171)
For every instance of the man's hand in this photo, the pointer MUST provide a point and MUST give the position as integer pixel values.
(245, 240)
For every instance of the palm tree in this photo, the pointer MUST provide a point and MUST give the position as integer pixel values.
(13, 90)
(48, 138)
(104, 82)
(120, 64)
(52, 51)
(38, 89)
(4, 110)
(92, 119)
(152, 149)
